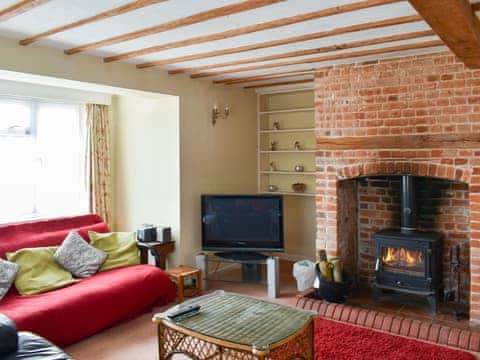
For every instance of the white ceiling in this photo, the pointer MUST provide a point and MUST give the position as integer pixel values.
(60, 12)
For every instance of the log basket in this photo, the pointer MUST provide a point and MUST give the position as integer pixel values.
(336, 292)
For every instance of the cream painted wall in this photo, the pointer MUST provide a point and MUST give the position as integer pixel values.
(300, 227)
(146, 162)
(219, 159)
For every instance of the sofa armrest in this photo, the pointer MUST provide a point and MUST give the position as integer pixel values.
(8, 336)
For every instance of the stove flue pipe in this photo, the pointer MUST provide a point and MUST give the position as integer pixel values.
(408, 206)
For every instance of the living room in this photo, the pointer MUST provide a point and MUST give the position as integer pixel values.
(347, 118)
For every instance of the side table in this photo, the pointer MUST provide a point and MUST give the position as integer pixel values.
(178, 275)
(158, 250)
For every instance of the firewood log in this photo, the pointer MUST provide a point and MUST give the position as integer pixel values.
(321, 255)
(337, 269)
(326, 268)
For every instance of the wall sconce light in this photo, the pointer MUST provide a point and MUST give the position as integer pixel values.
(217, 115)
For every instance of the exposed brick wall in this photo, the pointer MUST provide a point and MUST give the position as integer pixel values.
(428, 94)
(443, 206)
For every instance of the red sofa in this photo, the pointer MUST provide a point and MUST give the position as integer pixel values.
(67, 315)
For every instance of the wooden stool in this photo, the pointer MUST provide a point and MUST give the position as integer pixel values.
(178, 275)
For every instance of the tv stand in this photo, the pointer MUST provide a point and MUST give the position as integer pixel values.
(250, 268)
(242, 256)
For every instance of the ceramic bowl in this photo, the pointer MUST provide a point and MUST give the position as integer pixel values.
(299, 187)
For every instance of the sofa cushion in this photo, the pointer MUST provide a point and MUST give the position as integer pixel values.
(79, 257)
(39, 272)
(8, 273)
(70, 314)
(121, 248)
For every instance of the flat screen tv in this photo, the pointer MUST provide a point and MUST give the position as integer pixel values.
(242, 223)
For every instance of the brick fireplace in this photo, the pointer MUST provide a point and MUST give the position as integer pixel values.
(417, 115)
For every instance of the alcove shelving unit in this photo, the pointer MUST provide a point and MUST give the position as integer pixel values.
(285, 117)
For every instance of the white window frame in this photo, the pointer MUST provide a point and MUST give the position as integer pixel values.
(33, 104)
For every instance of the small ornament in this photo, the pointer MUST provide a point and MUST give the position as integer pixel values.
(273, 145)
(296, 145)
(299, 168)
(276, 125)
(299, 187)
(272, 188)
(272, 166)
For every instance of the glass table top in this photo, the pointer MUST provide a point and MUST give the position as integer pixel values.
(241, 319)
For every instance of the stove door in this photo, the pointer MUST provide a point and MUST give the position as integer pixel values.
(403, 264)
(403, 260)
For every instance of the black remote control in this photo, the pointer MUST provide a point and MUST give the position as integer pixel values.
(183, 311)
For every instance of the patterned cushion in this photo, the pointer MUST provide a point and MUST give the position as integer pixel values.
(8, 273)
(79, 257)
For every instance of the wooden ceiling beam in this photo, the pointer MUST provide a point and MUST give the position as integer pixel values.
(285, 74)
(433, 141)
(283, 83)
(20, 8)
(175, 24)
(132, 6)
(476, 7)
(254, 28)
(297, 53)
(268, 44)
(456, 24)
(360, 53)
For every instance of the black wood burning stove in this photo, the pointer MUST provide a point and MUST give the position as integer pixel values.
(408, 260)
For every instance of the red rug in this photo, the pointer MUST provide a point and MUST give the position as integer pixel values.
(338, 341)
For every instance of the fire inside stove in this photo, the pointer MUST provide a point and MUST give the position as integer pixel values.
(403, 261)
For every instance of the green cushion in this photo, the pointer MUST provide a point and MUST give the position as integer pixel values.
(121, 248)
(39, 272)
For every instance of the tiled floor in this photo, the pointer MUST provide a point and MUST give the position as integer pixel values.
(417, 308)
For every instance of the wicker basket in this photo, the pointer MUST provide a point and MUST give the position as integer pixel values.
(336, 292)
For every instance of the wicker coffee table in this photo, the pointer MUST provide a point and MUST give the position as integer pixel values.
(231, 326)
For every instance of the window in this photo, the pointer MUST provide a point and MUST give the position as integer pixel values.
(42, 151)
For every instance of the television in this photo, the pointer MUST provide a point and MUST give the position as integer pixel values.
(242, 223)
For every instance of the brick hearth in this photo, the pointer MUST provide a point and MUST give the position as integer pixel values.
(416, 115)
(399, 325)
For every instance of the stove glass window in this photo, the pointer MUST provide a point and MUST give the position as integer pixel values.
(400, 260)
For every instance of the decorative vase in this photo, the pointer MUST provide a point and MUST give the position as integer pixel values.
(272, 188)
(299, 168)
(299, 187)
(273, 145)
(296, 145)
(276, 125)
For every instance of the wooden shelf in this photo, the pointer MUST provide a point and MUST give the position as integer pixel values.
(286, 111)
(286, 151)
(287, 172)
(296, 124)
(287, 193)
(286, 131)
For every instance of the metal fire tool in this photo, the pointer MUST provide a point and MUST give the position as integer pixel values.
(453, 293)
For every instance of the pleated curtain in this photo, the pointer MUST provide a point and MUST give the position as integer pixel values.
(98, 160)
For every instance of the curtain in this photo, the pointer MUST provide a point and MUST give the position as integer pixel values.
(98, 160)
